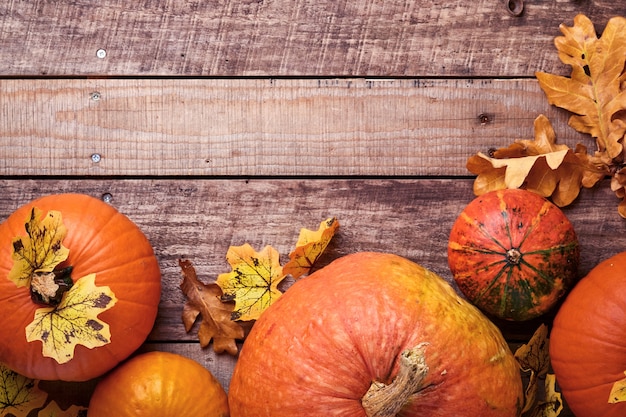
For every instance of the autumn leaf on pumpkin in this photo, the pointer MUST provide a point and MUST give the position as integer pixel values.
(205, 300)
(253, 281)
(74, 321)
(618, 391)
(534, 357)
(18, 394)
(309, 247)
(540, 165)
(41, 249)
(594, 92)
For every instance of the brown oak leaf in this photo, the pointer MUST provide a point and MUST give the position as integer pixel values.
(205, 300)
(540, 165)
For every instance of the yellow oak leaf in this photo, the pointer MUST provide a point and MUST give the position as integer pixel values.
(19, 395)
(310, 246)
(618, 391)
(41, 249)
(253, 281)
(594, 91)
(539, 165)
(205, 300)
(74, 321)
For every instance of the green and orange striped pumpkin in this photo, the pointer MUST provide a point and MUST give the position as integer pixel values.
(513, 254)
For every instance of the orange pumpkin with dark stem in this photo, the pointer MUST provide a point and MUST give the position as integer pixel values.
(93, 308)
(588, 342)
(374, 334)
(159, 384)
(513, 254)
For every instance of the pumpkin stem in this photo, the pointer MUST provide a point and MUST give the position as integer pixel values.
(513, 256)
(47, 288)
(382, 400)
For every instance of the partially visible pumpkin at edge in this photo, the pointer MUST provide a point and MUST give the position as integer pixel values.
(588, 342)
(106, 250)
(159, 384)
(513, 253)
(374, 334)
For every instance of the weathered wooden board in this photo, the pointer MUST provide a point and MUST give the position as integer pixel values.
(199, 218)
(286, 37)
(288, 127)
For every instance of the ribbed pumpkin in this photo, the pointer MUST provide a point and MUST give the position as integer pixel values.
(588, 341)
(374, 334)
(108, 252)
(159, 384)
(513, 254)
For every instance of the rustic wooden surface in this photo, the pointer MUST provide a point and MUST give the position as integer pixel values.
(214, 123)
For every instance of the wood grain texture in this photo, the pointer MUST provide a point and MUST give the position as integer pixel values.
(286, 37)
(252, 127)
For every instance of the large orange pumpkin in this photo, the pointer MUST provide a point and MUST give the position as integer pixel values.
(374, 334)
(159, 384)
(115, 288)
(513, 254)
(588, 341)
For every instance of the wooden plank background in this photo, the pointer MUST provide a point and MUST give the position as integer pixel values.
(214, 123)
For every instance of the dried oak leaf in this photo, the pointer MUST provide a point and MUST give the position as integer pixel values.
(253, 281)
(205, 300)
(594, 92)
(310, 246)
(539, 165)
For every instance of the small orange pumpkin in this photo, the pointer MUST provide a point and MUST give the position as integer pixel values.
(159, 384)
(91, 318)
(587, 342)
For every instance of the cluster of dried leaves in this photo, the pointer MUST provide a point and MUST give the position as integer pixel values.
(534, 360)
(595, 94)
(242, 294)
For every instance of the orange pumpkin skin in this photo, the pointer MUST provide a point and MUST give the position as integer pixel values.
(588, 340)
(316, 351)
(159, 384)
(513, 254)
(102, 241)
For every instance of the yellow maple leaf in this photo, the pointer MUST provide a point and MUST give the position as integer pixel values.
(310, 246)
(205, 300)
(54, 410)
(74, 321)
(618, 391)
(41, 249)
(540, 165)
(253, 281)
(594, 91)
(19, 395)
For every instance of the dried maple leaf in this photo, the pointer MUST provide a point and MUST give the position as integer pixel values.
(593, 92)
(539, 165)
(534, 357)
(618, 392)
(552, 405)
(205, 300)
(310, 246)
(253, 281)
